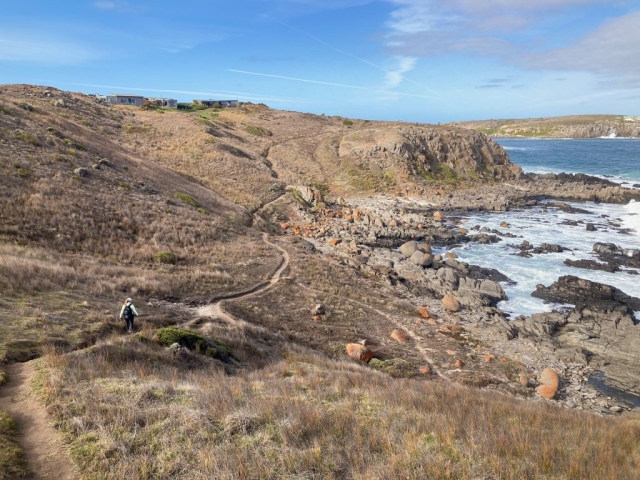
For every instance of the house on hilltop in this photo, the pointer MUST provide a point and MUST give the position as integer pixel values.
(125, 99)
(217, 103)
(164, 102)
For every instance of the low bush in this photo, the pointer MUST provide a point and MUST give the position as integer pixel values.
(186, 198)
(166, 257)
(258, 131)
(396, 367)
(73, 144)
(24, 173)
(28, 138)
(194, 342)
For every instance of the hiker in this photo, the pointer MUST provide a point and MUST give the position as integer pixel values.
(128, 311)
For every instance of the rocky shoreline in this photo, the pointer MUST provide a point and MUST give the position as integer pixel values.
(406, 241)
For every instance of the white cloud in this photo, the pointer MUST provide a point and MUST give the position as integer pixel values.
(515, 33)
(610, 51)
(395, 77)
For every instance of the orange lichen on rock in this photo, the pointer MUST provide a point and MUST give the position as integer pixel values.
(359, 352)
(399, 336)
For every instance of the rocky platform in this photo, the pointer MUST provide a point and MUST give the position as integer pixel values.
(408, 243)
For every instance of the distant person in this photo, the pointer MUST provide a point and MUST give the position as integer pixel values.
(128, 312)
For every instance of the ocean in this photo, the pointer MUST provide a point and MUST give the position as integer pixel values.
(616, 159)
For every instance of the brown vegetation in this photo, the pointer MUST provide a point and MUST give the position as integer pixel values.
(100, 203)
(132, 410)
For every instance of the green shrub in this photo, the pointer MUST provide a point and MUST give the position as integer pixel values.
(396, 367)
(4, 111)
(166, 257)
(124, 185)
(193, 341)
(203, 211)
(4, 378)
(76, 145)
(7, 425)
(258, 131)
(186, 198)
(347, 123)
(135, 128)
(276, 187)
(24, 173)
(297, 196)
(28, 138)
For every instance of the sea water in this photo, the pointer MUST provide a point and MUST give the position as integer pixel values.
(615, 159)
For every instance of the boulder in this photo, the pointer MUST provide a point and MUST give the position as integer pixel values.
(458, 364)
(547, 391)
(424, 313)
(81, 172)
(450, 255)
(334, 241)
(399, 336)
(438, 216)
(426, 370)
(359, 352)
(409, 248)
(449, 302)
(421, 259)
(424, 247)
(549, 377)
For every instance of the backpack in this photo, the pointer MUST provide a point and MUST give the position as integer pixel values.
(128, 313)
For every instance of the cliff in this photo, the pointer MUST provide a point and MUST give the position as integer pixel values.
(576, 126)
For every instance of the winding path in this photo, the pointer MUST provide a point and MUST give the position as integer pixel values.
(43, 449)
(215, 309)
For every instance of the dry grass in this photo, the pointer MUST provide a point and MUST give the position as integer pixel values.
(12, 464)
(74, 243)
(132, 410)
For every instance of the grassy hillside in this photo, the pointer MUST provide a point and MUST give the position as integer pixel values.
(100, 203)
(575, 126)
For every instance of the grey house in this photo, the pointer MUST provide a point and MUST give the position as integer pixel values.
(217, 103)
(164, 102)
(125, 99)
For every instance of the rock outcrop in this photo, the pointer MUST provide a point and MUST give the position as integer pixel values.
(600, 331)
(430, 152)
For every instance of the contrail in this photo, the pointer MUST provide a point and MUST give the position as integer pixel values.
(342, 85)
(189, 92)
(343, 52)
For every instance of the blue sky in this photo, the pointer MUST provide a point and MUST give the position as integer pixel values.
(413, 60)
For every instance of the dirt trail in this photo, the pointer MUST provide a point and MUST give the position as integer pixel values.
(45, 454)
(215, 309)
